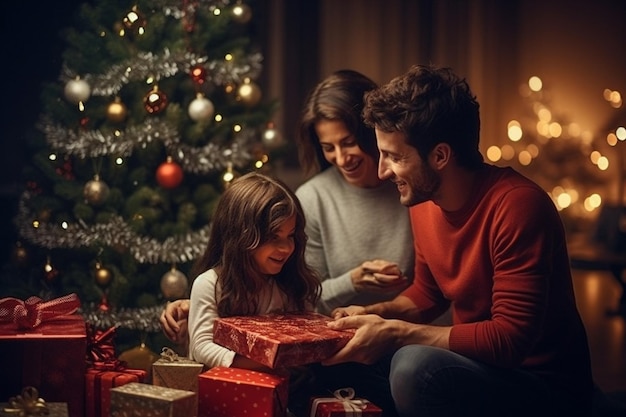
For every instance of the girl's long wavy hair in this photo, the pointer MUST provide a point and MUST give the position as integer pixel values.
(338, 97)
(248, 213)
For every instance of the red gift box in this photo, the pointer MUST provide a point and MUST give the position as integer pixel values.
(105, 372)
(228, 392)
(344, 404)
(281, 340)
(49, 357)
(98, 386)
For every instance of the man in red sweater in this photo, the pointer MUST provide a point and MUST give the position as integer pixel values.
(490, 244)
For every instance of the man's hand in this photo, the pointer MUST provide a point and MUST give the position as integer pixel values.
(174, 321)
(374, 338)
(353, 310)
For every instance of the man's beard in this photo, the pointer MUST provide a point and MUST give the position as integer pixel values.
(427, 187)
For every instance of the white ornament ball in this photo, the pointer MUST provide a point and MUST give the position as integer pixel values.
(271, 137)
(77, 91)
(174, 284)
(201, 109)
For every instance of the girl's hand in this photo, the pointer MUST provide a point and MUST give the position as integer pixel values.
(378, 275)
(347, 311)
(174, 321)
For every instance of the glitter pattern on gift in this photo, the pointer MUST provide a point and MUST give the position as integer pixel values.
(144, 400)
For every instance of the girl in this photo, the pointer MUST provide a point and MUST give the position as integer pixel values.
(254, 264)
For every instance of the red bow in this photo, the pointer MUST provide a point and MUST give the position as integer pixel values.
(101, 350)
(34, 311)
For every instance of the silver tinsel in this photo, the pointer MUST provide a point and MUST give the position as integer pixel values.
(143, 319)
(199, 160)
(168, 64)
(175, 249)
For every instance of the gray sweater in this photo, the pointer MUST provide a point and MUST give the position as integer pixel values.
(348, 225)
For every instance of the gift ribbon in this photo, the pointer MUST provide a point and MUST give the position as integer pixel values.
(169, 355)
(351, 405)
(101, 350)
(32, 312)
(28, 404)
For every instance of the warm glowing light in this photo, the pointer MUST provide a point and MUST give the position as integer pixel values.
(514, 131)
(494, 154)
(593, 202)
(36, 224)
(555, 130)
(508, 152)
(52, 157)
(594, 156)
(525, 158)
(611, 139)
(620, 132)
(544, 115)
(533, 150)
(217, 11)
(228, 57)
(574, 129)
(564, 200)
(603, 163)
(258, 164)
(119, 161)
(218, 117)
(543, 128)
(64, 225)
(237, 128)
(535, 83)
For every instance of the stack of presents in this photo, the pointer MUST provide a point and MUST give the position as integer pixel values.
(54, 363)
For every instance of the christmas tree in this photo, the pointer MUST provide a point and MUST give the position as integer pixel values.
(157, 108)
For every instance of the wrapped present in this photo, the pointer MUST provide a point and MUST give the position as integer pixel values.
(29, 404)
(281, 340)
(43, 345)
(138, 400)
(344, 404)
(105, 372)
(228, 392)
(174, 371)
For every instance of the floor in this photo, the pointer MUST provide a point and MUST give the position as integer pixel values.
(597, 295)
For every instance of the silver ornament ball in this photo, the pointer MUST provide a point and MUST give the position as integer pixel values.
(96, 192)
(77, 91)
(201, 109)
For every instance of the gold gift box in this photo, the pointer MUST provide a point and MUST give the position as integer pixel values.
(174, 371)
(138, 399)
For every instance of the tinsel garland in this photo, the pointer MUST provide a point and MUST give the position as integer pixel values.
(147, 64)
(175, 249)
(199, 160)
(144, 319)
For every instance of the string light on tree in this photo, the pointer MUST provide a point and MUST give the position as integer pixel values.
(134, 22)
(241, 13)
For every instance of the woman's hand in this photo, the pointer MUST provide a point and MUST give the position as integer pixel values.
(378, 276)
(174, 321)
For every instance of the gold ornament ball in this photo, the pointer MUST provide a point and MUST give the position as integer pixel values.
(174, 284)
(117, 111)
(96, 192)
(20, 255)
(140, 357)
(103, 277)
(249, 94)
(242, 13)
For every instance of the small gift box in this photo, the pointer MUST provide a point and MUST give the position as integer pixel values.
(344, 404)
(43, 345)
(29, 404)
(281, 340)
(137, 399)
(105, 372)
(228, 392)
(174, 371)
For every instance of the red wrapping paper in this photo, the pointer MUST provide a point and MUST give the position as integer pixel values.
(98, 386)
(50, 357)
(343, 404)
(281, 340)
(229, 392)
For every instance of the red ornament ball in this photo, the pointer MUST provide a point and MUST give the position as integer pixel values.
(198, 74)
(169, 174)
(155, 101)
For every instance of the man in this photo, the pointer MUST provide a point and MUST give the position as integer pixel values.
(488, 243)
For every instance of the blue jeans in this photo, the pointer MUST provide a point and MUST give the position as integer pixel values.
(427, 381)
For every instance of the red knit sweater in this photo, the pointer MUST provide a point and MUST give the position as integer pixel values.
(502, 264)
